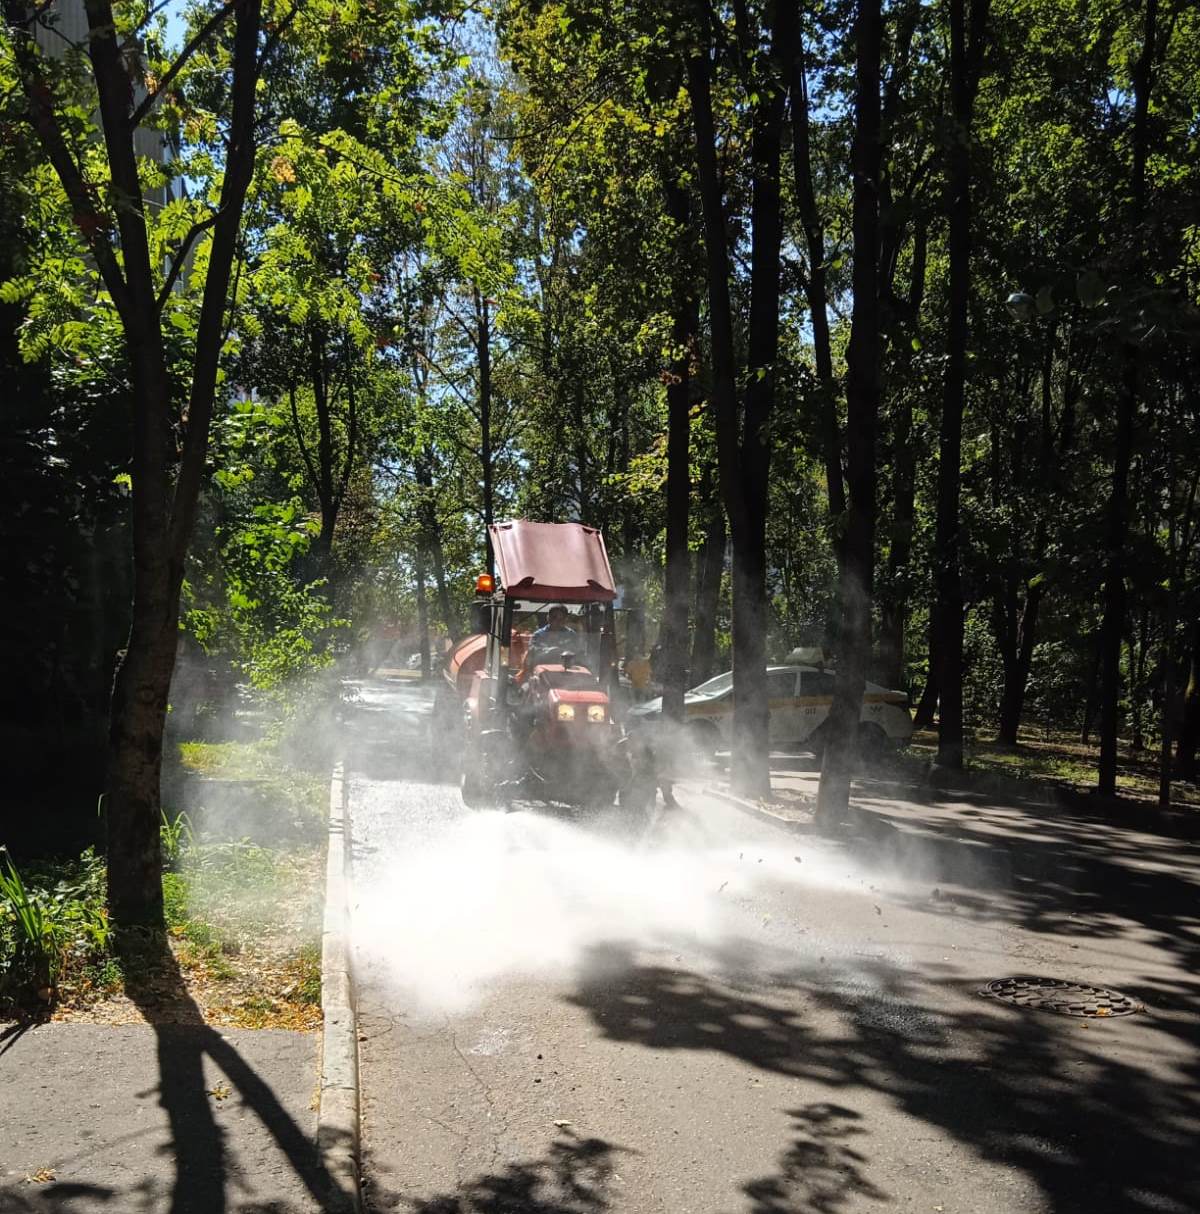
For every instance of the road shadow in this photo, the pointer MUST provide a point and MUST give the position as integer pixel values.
(202, 1177)
(574, 1176)
(820, 1171)
(1067, 874)
(1091, 1131)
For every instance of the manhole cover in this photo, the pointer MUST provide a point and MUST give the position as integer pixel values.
(1065, 998)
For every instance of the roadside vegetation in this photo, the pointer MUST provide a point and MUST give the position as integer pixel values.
(242, 914)
(1058, 760)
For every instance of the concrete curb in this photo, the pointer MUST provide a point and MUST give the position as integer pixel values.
(337, 1113)
(754, 808)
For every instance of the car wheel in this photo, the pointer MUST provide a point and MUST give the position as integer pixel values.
(872, 742)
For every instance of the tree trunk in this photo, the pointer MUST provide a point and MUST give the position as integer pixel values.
(927, 706)
(677, 573)
(422, 612)
(432, 532)
(743, 449)
(1016, 679)
(1113, 624)
(862, 411)
(894, 608)
(483, 326)
(1189, 733)
(815, 289)
(966, 42)
(1168, 703)
(1137, 648)
(1091, 695)
(709, 576)
(1018, 651)
(319, 379)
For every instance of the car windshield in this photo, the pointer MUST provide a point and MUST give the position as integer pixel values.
(714, 687)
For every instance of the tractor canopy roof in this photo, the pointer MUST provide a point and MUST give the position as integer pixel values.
(564, 562)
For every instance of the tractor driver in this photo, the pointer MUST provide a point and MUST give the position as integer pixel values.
(555, 634)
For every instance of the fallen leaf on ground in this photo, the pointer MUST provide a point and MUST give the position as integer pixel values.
(41, 1176)
(221, 1092)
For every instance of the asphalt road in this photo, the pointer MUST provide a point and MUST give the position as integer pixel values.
(719, 1015)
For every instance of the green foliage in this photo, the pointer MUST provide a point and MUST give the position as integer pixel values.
(50, 920)
(175, 836)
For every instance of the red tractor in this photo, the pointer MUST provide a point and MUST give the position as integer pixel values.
(536, 684)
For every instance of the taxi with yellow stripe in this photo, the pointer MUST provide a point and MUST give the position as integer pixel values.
(800, 699)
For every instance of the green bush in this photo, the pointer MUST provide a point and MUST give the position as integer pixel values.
(49, 921)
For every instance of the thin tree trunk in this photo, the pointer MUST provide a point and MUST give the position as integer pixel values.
(743, 450)
(708, 594)
(432, 535)
(966, 42)
(483, 335)
(1137, 648)
(677, 573)
(894, 609)
(1019, 657)
(1179, 544)
(862, 411)
(1113, 624)
(1092, 694)
(422, 611)
(815, 287)
(1189, 733)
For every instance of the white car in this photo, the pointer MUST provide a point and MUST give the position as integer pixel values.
(800, 699)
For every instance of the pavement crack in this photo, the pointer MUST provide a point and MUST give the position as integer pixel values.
(497, 1121)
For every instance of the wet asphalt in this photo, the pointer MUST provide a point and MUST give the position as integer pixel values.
(710, 1012)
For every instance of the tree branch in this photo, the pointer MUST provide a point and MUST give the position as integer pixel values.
(351, 433)
(210, 330)
(193, 45)
(181, 256)
(299, 433)
(92, 224)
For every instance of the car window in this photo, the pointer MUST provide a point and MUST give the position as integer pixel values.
(714, 687)
(816, 683)
(781, 684)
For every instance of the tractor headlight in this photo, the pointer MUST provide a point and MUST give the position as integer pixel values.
(566, 712)
(596, 713)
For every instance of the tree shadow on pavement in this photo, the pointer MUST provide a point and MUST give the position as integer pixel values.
(1049, 871)
(820, 1171)
(1027, 1091)
(572, 1177)
(203, 1176)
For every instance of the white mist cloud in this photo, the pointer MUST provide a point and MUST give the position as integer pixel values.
(468, 900)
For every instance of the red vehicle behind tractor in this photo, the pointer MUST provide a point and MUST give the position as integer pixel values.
(530, 707)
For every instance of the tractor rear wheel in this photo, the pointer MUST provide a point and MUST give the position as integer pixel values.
(472, 787)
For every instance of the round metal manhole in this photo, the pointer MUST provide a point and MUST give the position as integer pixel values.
(1063, 998)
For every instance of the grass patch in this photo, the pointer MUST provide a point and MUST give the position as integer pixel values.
(243, 925)
(286, 791)
(1061, 759)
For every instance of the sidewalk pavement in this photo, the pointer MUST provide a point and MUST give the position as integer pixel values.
(168, 1117)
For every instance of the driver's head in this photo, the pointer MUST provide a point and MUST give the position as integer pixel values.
(558, 618)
